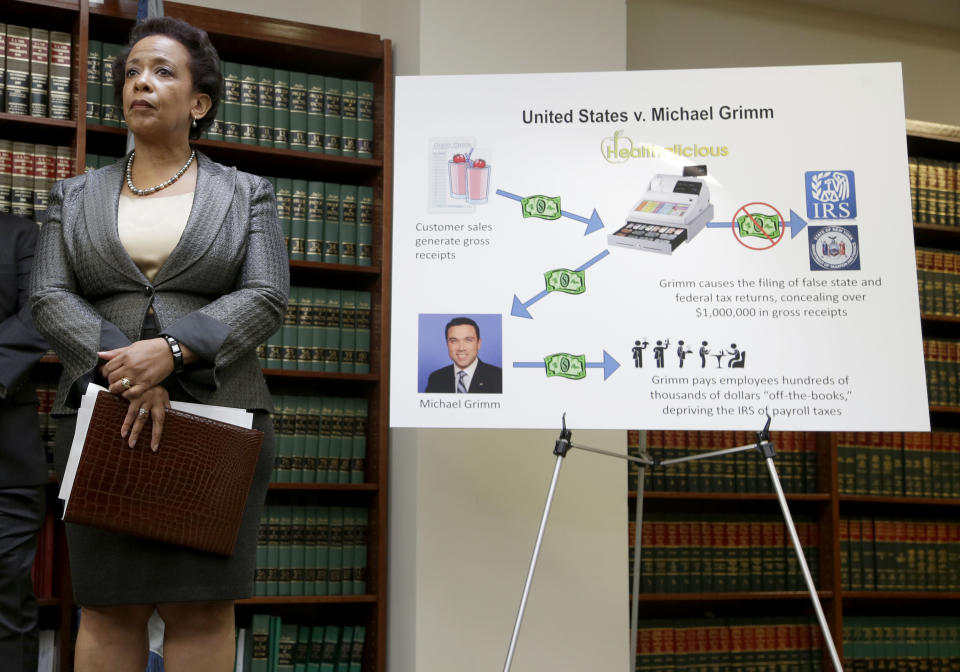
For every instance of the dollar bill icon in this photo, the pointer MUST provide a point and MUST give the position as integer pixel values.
(565, 280)
(566, 365)
(759, 225)
(544, 207)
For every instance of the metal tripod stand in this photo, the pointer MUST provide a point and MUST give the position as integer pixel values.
(763, 444)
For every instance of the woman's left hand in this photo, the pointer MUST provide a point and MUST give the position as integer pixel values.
(133, 369)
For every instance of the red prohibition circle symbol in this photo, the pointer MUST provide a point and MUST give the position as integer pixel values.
(773, 241)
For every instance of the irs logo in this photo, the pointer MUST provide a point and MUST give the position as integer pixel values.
(834, 248)
(831, 194)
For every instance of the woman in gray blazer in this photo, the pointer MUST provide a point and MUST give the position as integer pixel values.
(158, 276)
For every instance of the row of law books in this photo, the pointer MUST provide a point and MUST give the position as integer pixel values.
(778, 643)
(938, 282)
(272, 645)
(311, 550)
(262, 106)
(930, 643)
(42, 572)
(35, 71)
(326, 222)
(319, 439)
(46, 392)
(27, 173)
(796, 461)
(323, 330)
(915, 464)
(719, 553)
(900, 554)
(934, 187)
(941, 361)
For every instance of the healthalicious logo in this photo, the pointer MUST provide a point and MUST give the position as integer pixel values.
(619, 148)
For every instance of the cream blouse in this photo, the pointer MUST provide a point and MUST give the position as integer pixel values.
(150, 228)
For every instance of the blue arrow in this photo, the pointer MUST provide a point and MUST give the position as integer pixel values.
(795, 224)
(519, 308)
(594, 223)
(609, 365)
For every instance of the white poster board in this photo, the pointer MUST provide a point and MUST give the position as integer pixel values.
(569, 217)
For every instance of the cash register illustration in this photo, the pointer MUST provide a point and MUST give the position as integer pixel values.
(674, 209)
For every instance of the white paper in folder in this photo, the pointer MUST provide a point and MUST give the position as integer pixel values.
(233, 416)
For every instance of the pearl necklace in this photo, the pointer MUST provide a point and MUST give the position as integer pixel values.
(162, 185)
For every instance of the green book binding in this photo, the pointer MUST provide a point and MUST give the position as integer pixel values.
(39, 72)
(260, 634)
(358, 459)
(362, 349)
(260, 571)
(348, 224)
(315, 116)
(284, 193)
(311, 450)
(336, 450)
(323, 445)
(365, 120)
(318, 329)
(365, 226)
(274, 351)
(94, 80)
(305, 322)
(315, 210)
(249, 110)
(17, 87)
(110, 114)
(302, 649)
(215, 130)
(356, 653)
(231, 101)
(289, 331)
(298, 111)
(59, 74)
(346, 445)
(348, 543)
(344, 649)
(285, 647)
(332, 93)
(348, 131)
(335, 557)
(287, 439)
(331, 642)
(298, 219)
(265, 122)
(331, 223)
(273, 647)
(360, 551)
(301, 424)
(332, 332)
(285, 554)
(310, 550)
(315, 650)
(348, 330)
(281, 109)
(298, 551)
(322, 537)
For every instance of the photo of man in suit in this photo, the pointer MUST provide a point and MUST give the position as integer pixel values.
(467, 374)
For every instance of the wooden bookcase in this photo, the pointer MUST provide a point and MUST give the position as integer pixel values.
(289, 45)
(829, 505)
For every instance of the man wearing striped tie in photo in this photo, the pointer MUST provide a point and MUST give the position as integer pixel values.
(467, 374)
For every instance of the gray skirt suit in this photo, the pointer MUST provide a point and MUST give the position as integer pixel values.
(222, 291)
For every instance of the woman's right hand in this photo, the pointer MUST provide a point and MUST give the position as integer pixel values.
(154, 401)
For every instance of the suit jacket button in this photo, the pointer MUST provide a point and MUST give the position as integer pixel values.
(147, 290)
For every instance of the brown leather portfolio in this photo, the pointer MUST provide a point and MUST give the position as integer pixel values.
(191, 492)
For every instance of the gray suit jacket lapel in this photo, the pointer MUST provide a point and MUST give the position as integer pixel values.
(101, 196)
(216, 185)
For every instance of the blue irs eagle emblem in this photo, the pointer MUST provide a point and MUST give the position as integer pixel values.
(831, 194)
(834, 248)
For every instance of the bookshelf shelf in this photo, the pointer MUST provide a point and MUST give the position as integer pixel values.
(886, 596)
(900, 501)
(728, 496)
(292, 46)
(698, 598)
(308, 599)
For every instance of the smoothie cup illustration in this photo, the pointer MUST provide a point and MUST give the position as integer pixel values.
(457, 167)
(478, 181)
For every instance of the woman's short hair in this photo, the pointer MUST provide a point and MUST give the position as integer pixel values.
(204, 63)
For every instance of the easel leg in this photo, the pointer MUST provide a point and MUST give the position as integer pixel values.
(788, 521)
(533, 563)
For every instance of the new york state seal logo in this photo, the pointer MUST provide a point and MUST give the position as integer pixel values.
(834, 248)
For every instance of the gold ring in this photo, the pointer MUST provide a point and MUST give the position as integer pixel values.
(143, 412)
(125, 382)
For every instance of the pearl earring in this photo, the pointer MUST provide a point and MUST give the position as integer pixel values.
(194, 124)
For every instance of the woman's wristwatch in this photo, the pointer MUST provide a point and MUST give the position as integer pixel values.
(176, 352)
